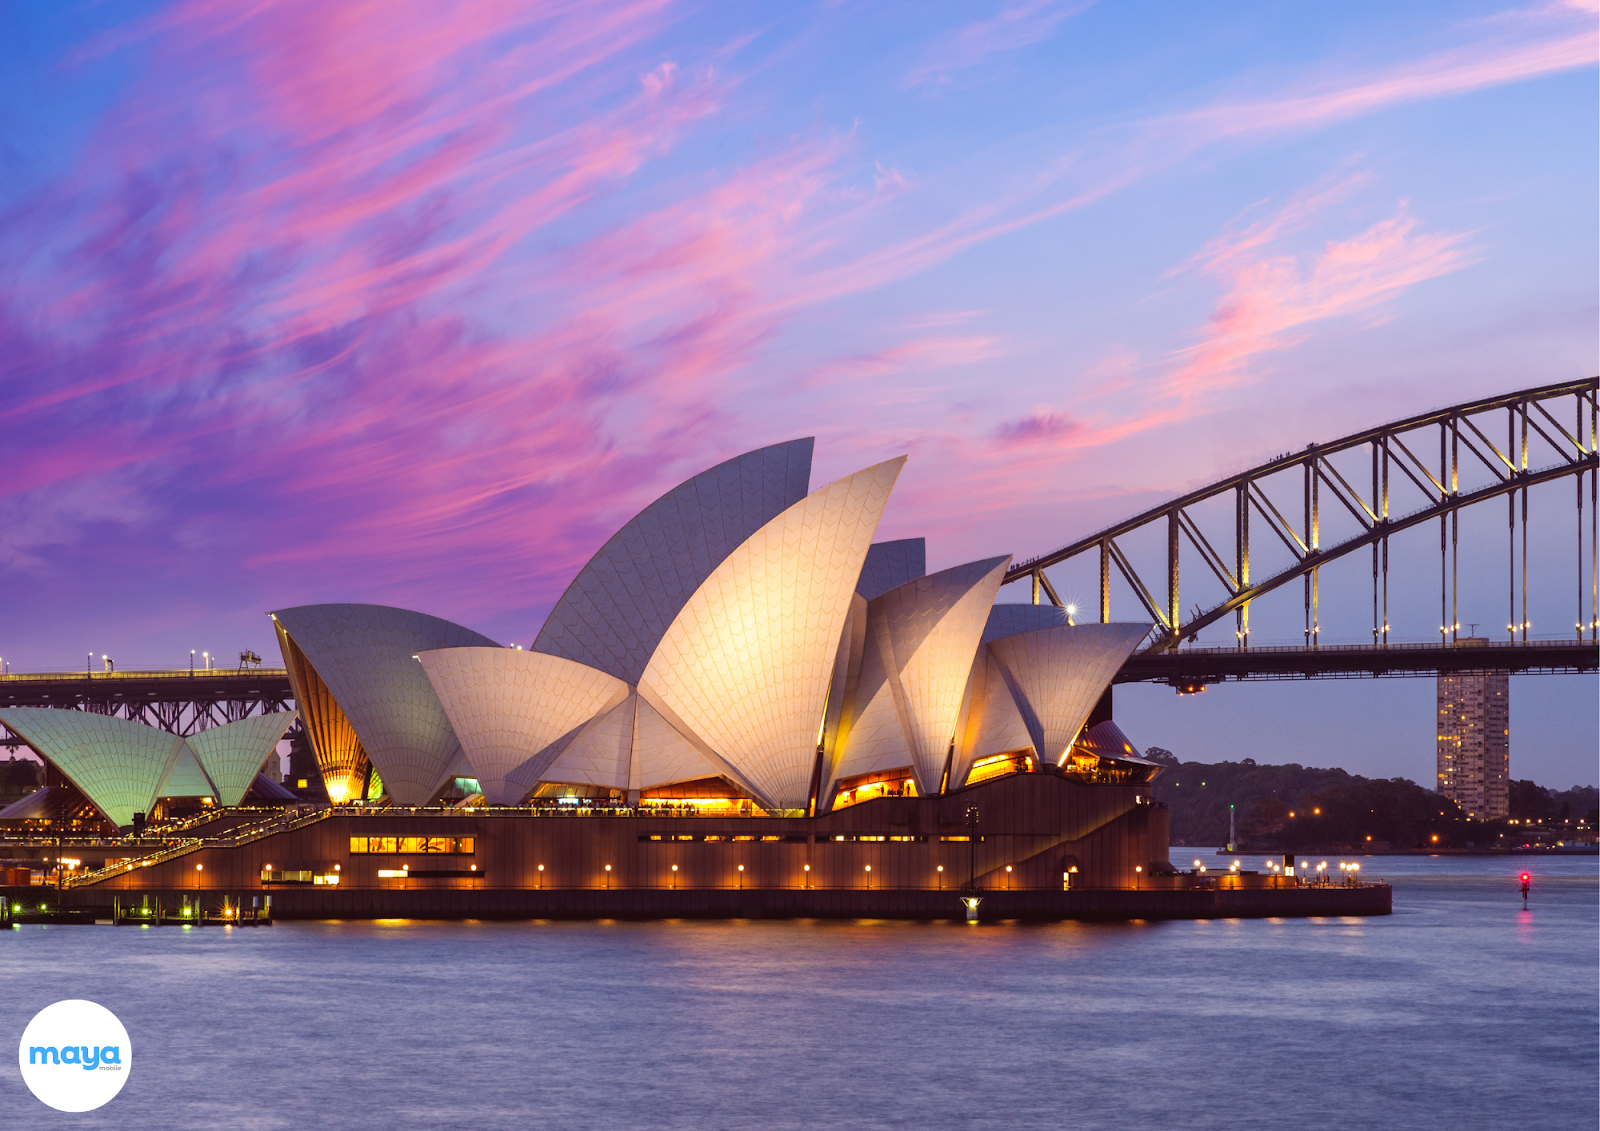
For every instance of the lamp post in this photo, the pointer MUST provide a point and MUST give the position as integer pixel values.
(972, 848)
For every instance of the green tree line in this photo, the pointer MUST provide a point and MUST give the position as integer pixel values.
(1293, 807)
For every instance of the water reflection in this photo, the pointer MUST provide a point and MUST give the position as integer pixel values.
(1453, 1012)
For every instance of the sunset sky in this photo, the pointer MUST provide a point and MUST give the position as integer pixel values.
(414, 303)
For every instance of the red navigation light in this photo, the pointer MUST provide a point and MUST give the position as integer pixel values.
(1526, 877)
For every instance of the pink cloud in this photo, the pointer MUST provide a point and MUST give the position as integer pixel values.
(1039, 427)
(1271, 300)
(921, 354)
(409, 285)
(1459, 71)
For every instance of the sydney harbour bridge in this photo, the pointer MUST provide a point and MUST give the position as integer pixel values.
(1253, 539)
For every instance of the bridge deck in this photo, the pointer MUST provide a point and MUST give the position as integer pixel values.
(1199, 666)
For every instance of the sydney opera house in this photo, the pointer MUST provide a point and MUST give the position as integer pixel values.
(741, 689)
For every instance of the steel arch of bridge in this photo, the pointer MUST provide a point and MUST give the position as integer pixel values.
(1462, 433)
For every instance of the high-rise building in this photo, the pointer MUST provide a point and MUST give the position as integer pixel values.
(1474, 716)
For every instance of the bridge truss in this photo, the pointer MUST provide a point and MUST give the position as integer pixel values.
(1282, 500)
(1386, 479)
(181, 702)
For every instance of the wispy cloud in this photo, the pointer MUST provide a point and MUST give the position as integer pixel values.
(410, 302)
(1530, 44)
(1272, 300)
(1014, 26)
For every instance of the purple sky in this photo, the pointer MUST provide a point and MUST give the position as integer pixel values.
(414, 303)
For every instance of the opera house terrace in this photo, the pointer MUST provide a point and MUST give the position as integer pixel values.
(742, 705)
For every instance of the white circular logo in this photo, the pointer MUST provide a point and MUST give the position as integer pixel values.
(75, 1055)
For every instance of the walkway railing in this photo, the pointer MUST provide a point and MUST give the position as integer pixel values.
(286, 823)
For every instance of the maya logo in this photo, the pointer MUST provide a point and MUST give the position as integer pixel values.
(69, 1036)
(88, 1057)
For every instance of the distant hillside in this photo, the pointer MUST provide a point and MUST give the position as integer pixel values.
(1293, 806)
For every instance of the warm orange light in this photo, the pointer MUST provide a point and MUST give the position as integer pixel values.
(1008, 867)
(741, 867)
(541, 867)
(869, 867)
(1316, 812)
(808, 867)
(608, 868)
(199, 867)
(674, 867)
(941, 867)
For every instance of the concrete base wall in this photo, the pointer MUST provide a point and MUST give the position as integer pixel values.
(721, 903)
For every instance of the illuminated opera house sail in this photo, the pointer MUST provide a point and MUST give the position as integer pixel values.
(741, 705)
(741, 643)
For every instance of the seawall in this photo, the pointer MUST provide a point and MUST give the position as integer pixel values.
(724, 903)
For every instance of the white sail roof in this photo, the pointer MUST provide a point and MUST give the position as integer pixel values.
(366, 655)
(890, 564)
(875, 740)
(994, 725)
(1056, 676)
(745, 665)
(927, 633)
(508, 707)
(601, 753)
(115, 763)
(185, 778)
(1008, 620)
(661, 755)
(616, 610)
(232, 754)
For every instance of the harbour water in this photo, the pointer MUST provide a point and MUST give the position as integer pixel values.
(1460, 1010)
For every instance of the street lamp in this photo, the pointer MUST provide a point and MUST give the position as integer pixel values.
(972, 848)
(1137, 876)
